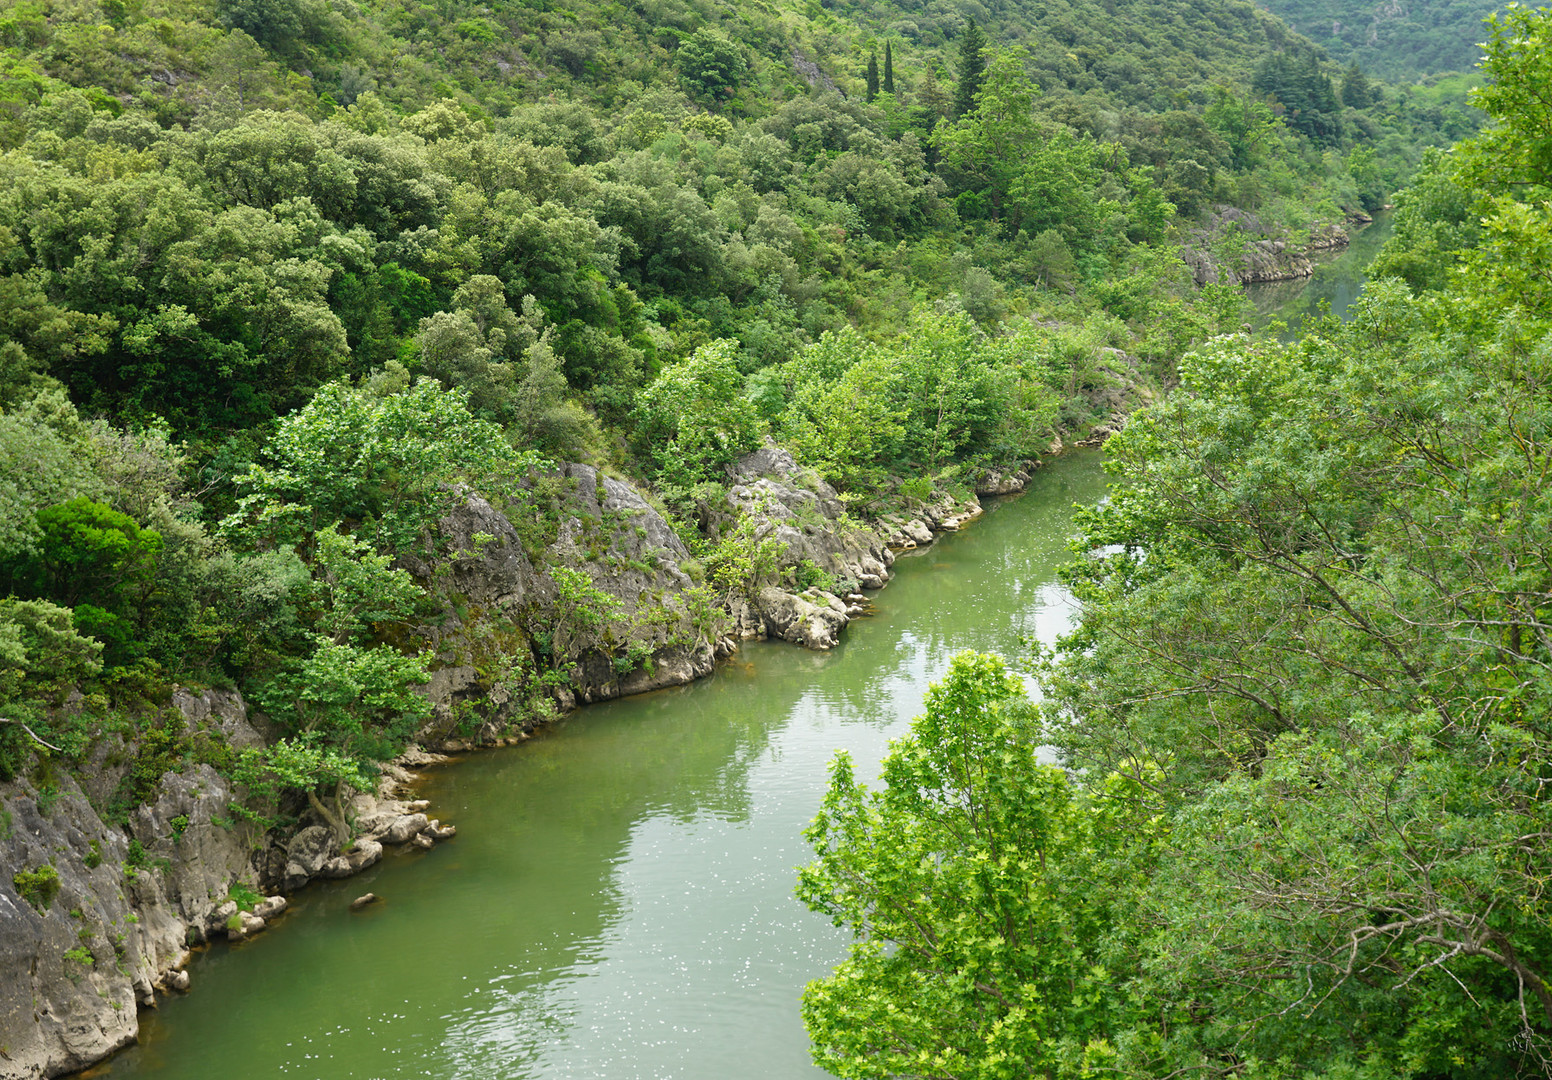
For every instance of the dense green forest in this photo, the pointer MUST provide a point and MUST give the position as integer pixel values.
(281, 281)
(1397, 41)
(1301, 828)
(273, 276)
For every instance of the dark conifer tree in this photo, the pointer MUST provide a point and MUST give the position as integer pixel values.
(872, 76)
(1356, 91)
(972, 68)
(889, 68)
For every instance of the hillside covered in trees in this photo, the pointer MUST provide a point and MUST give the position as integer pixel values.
(1400, 41)
(1300, 828)
(233, 239)
(283, 283)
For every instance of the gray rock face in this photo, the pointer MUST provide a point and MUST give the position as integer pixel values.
(307, 853)
(74, 969)
(1002, 483)
(800, 509)
(508, 614)
(219, 710)
(813, 619)
(607, 531)
(1260, 255)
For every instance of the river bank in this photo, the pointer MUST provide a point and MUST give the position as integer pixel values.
(618, 900)
(111, 930)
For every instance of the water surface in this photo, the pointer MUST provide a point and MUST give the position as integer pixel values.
(1339, 278)
(619, 900)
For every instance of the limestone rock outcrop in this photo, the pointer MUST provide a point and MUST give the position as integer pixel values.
(96, 918)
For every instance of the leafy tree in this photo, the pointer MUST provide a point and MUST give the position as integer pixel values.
(584, 614)
(987, 144)
(40, 465)
(850, 427)
(1304, 94)
(388, 465)
(694, 419)
(354, 590)
(1518, 151)
(953, 398)
(345, 709)
(90, 552)
(326, 776)
(711, 64)
(976, 886)
(744, 559)
(1357, 92)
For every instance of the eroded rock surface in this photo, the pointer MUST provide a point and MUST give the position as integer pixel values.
(97, 919)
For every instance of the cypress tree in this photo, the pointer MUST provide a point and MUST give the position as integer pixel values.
(972, 68)
(1356, 92)
(889, 68)
(872, 76)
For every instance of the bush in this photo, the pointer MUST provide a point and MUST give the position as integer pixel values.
(37, 887)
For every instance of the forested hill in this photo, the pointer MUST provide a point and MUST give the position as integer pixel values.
(313, 56)
(1396, 40)
(280, 280)
(215, 209)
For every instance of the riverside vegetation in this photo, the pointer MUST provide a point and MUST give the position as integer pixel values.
(1300, 828)
(395, 365)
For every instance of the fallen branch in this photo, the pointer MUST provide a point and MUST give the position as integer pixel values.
(34, 734)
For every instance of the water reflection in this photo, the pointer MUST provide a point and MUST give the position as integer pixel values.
(618, 902)
(1337, 281)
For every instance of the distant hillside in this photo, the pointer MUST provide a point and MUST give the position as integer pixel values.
(1399, 40)
(170, 54)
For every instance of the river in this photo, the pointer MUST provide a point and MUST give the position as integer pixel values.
(618, 902)
(1338, 279)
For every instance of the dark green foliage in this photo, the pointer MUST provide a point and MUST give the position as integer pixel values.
(711, 65)
(971, 68)
(1357, 91)
(356, 262)
(1301, 94)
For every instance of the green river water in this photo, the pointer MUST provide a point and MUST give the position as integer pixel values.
(618, 902)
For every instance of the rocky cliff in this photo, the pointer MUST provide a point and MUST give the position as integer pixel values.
(99, 906)
(1234, 246)
(584, 593)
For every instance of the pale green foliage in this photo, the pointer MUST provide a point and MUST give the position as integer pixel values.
(694, 418)
(847, 427)
(360, 701)
(743, 560)
(942, 391)
(389, 466)
(972, 882)
(1518, 149)
(309, 767)
(41, 464)
(584, 614)
(354, 589)
(38, 643)
(1317, 600)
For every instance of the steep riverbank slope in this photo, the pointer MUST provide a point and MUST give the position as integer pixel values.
(101, 905)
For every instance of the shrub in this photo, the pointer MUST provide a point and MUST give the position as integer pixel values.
(37, 887)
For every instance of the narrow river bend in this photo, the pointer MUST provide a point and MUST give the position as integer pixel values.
(619, 900)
